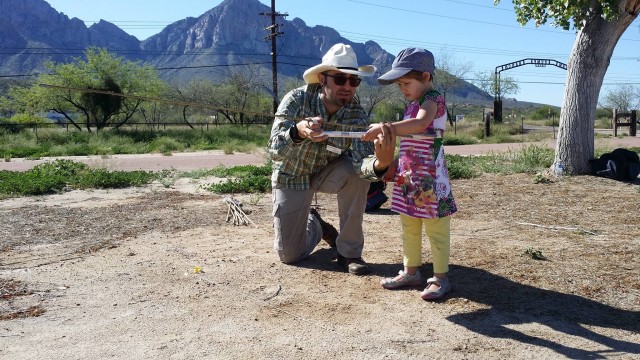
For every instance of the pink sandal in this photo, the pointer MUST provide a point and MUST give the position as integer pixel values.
(403, 279)
(444, 288)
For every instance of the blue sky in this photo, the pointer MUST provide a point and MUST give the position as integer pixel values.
(470, 32)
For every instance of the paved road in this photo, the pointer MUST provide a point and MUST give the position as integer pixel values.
(210, 159)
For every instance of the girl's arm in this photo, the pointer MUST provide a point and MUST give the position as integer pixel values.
(416, 125)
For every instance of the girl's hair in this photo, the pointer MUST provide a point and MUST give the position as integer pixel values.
(416, 75)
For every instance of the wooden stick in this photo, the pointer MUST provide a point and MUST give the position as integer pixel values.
(553, 227)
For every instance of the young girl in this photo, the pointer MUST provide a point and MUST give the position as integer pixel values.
(422, 191)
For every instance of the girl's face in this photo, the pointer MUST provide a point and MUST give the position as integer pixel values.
(412, 88)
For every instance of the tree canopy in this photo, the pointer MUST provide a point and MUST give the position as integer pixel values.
(563, 13)
(83, 90)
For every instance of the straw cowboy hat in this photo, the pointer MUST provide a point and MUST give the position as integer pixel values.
(342, 58)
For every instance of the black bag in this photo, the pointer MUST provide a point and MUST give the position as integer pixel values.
(620, 164)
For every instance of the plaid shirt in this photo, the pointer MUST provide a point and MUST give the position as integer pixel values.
(295, 164)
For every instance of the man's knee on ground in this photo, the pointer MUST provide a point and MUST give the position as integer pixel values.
(288, 259)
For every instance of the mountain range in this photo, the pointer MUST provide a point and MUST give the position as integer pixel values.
(209, 46)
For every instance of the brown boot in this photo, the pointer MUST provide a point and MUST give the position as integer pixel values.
(329, 233)
(356, 266)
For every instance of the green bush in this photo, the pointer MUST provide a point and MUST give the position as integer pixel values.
(544, 113)
(235, 171)
(461, 167)
(251, 184)
(22, 118)
(18, 141)
(104, 179)
(53, 177)
(28, 183)
(47, 178)
(500, 138)
(165, 145)
(529, 159)
(458, 140)
(532, 158)
(603, 123)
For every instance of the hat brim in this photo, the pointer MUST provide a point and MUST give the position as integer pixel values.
(311, 75)
(392, 75)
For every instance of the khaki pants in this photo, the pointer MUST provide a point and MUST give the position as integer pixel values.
(297, 233)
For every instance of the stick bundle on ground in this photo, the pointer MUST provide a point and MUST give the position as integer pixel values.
(236, 213)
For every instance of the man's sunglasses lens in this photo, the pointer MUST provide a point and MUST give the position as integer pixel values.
(341, 80)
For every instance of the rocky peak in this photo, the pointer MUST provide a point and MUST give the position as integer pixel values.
(107, 35)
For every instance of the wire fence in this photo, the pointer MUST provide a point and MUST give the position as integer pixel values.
(68, 126)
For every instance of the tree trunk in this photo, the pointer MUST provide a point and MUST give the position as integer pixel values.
(586, 68)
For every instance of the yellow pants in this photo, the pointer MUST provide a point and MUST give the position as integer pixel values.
(438, 232)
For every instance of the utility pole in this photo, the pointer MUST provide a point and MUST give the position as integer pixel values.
(274, 32)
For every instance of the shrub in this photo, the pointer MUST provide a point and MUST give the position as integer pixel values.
(459, 140)
(461, 167)
(104, 179)
(53, 177)
(251, 184)
(166, 145)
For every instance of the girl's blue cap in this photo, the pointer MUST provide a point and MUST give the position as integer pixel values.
(407, 60)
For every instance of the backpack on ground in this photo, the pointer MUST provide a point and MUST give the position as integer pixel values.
(620, 164)
(376, 196)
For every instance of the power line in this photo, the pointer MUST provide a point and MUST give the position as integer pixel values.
(413, 11)
(180, 68)
(478, 5)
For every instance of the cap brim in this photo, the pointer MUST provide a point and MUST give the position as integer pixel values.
(392, 75)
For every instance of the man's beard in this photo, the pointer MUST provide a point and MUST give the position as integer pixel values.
(343, 102)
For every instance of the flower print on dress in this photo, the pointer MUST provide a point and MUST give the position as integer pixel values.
(425, 193)
(442, 190)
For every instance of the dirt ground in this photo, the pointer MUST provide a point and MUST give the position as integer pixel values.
(158, 273)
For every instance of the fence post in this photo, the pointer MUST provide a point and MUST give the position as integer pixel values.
(455, 126)
(634, 123)
(614, 123)
(487, 123)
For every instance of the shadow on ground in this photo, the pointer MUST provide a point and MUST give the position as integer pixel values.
(513, 304)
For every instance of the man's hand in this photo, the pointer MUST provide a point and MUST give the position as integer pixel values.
(385, 147)
(311, 128)
(391, 172)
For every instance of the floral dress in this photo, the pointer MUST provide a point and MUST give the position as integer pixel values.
(421, 187)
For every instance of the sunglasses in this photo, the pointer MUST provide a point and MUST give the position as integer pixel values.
(341, 80)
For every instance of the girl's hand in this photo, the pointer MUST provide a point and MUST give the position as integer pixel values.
(373, 132)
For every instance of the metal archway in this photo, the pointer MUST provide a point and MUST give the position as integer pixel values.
(497, 100)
